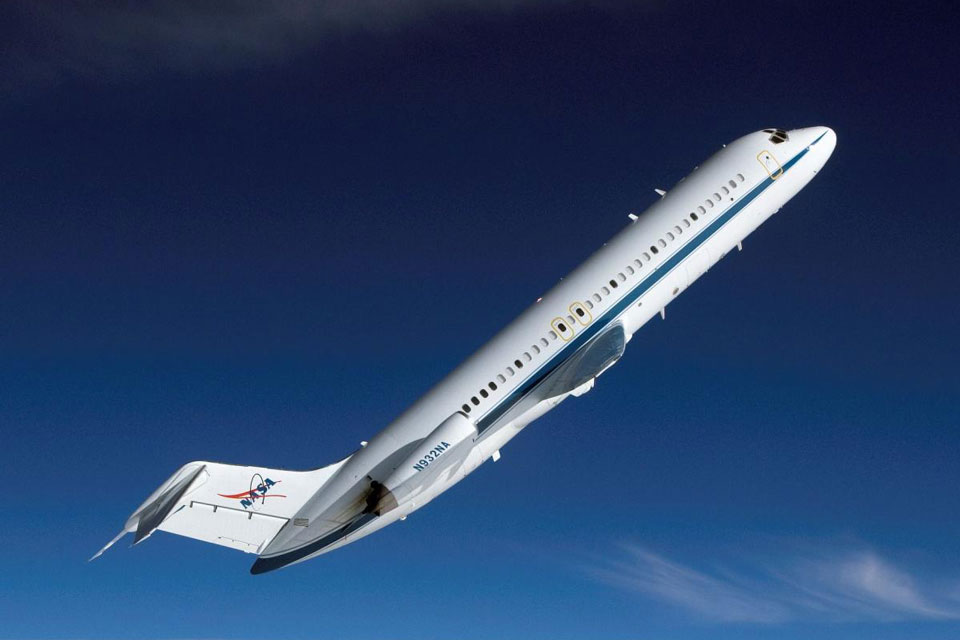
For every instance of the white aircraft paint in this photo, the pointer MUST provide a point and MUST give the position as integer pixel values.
(555, 349)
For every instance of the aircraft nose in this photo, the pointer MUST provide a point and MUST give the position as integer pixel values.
(824, 142)
(820, 140)
(817, 137)
(828, 139)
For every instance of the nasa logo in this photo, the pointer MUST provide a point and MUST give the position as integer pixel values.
(259, 490)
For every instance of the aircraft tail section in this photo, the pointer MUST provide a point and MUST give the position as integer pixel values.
(241, 507)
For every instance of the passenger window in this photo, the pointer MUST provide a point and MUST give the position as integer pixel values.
(725, 190)
(474, 400)
(483, 392)
(570, 320)
(588, 304)
(535, 348)
(613, 284)
(526, 356)
(581, 312)
(678, 229)
(564, 330)
(709, 203)
(493, 386)
(669, 235)
(510, 371)
(597, 297)
(686, 223)
(466, 408)
(740, 177)
(622, 277)
(553, 335)
(646, 256)
(654, 250)
(661, 242)
(701, 210)
(638, 263)
(693, 215)
(733, 185)
(543, 341)
(501, 378)
(716, 196)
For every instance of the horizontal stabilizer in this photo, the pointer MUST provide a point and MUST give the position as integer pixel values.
(241, 507)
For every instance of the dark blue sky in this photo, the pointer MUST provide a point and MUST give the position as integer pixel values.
(256, 235)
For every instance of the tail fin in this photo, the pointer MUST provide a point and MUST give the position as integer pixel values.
(234, 506)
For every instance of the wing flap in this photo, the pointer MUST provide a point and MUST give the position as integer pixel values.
(229, 527)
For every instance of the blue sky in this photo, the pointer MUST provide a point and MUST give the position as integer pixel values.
(256, 234)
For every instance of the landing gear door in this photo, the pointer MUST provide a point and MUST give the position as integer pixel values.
(770, 164)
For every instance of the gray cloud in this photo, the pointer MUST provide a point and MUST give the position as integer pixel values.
(810, 585)
(57, 41)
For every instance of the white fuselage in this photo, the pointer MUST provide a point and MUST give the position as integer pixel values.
(489, 398)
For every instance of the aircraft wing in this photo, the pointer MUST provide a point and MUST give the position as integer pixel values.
(241, 507)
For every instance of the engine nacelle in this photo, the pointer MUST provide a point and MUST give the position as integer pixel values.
(446, 445)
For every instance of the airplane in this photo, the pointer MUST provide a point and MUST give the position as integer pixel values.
(555, 349)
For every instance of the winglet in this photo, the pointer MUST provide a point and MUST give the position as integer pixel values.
(154, 511)
(122, 533)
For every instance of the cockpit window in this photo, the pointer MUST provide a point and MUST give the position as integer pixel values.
(777, 135)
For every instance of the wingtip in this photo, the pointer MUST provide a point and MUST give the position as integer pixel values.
(122, 533)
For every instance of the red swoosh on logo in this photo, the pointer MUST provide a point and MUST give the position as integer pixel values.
(246, 494)
(249, 494)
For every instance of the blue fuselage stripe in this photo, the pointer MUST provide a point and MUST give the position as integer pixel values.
(536, 377)
(497, 411)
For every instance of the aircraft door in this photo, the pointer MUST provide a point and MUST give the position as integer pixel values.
(770, 164)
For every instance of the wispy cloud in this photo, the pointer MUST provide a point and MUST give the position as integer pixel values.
(56, 41)
(820, 585)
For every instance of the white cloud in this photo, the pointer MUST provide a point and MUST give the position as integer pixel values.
(726, 599)
(819, 585)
